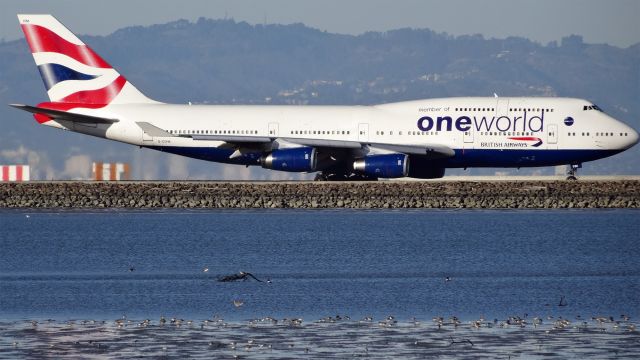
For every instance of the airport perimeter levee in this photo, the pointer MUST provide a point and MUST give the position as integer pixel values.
(302, 195)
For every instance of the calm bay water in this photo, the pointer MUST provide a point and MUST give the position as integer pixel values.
(65, 265)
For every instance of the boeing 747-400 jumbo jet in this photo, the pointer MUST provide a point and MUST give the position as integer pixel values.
(418, 139)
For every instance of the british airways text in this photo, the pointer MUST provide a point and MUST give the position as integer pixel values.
(484, 123)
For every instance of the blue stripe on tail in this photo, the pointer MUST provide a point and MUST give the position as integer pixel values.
(55, 73)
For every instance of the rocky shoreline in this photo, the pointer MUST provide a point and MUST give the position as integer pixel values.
(303, 195)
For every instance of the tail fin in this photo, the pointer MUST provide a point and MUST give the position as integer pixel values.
(71, 71)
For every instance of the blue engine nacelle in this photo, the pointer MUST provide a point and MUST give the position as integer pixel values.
(293, 160)
(383, 166)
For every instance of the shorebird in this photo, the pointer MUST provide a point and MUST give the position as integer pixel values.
(563, 302)
(537, 321)
(238, 303)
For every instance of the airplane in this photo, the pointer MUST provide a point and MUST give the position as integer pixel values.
(417, 139)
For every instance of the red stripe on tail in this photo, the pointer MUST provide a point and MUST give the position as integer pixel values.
(41, 39)
(90, 99)
(100, 96)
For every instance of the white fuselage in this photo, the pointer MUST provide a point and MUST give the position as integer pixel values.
(415, 138)
(490, 125)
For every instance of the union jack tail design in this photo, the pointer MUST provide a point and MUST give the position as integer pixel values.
(73, 74)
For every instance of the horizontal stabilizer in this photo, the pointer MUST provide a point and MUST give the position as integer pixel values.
(63, 115)
(153, 130)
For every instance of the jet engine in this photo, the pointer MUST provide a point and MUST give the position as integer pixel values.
(383, 166)
(425, 169)
(293, 159)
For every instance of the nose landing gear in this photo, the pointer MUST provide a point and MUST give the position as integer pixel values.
(573, 172)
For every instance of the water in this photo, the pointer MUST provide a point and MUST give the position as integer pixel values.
(67, 265)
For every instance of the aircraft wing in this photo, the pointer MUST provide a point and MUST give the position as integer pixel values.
(430, 150)
(233, 139)
(64, 115)
(433, 151)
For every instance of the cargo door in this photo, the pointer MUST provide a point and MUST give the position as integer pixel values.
(146, 137)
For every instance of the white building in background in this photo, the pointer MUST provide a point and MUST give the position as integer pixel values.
(111, 171)
(14, 173)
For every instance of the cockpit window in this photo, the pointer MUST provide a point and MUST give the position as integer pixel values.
(591, 107)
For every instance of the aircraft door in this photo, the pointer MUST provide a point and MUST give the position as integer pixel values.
(363, 132)
(552, 136)
(467, 137)
(273, 129)
(502, 107)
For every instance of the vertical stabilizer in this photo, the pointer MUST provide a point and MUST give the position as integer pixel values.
(72, 72)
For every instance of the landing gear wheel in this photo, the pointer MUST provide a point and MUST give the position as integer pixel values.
(330, 177)
(361, 177)
(336, 177)
(573, 172)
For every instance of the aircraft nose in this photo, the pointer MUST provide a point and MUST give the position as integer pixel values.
(633, 138)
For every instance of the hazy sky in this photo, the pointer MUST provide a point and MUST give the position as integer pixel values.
(599, 21)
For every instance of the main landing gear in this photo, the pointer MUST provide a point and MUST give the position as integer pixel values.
(573, 171)
(330, 177)
(343, 177)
